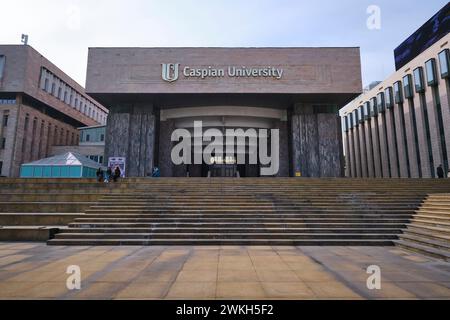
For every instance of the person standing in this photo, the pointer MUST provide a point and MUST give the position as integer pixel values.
(440, 172)
(117, 174)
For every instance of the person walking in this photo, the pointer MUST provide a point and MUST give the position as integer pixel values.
(99, 175)
(448, 174)
(440, 172)
(117, 174)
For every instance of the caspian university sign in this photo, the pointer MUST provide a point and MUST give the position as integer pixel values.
(171, 72)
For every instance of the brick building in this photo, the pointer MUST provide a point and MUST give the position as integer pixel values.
(40, 107)
(400, 128)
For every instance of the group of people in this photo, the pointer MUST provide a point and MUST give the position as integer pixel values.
(110, 174)
(440, 172)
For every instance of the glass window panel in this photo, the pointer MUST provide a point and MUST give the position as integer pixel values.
(418, 80)
(355, 118)
(430, 67)
(381, 102)
(444, 63)
(360, 114)
(38, 172)
(388, 97)
(398, 96)
(373, 107)
(407, 86)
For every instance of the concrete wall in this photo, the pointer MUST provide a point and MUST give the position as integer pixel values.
(306, 70)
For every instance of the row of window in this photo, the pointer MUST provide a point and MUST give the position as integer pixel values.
(61, 90)
(396, 95)
(98, 159)
(7, 101)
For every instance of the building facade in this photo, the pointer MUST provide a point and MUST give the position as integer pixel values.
(401, 128)
(40, 107)
(151, 92)
(91, 144)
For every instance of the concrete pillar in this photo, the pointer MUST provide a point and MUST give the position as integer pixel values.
(376, 147)
(384, 146)
(130, 133)
(369, 149)
(363, 146)
(316, 140)
(422, 136)
(391, 133)
(410, 134)
(402, 154)
(348, 172)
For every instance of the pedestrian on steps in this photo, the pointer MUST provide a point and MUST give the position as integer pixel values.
(440, 172)
(117, 174)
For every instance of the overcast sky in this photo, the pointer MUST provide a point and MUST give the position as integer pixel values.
(62, 30)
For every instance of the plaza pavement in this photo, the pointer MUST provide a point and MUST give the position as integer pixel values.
(38, 271)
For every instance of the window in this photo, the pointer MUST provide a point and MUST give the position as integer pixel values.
(373, 107)
(102, 137)
(350, 120)
(366, 110)
(444, 63)
(100, 159)
(344, 123)
(398, 96)
(355, 118)
(46, 85)
(88, 137)
(407, 86)
(360, 114)
(59, 93)
(430, 66)
(388, 98)
(3, 143)
(2, 66)
(418, 80)
(5, 120)
(27, 119)
(381, 102)
(53, 89)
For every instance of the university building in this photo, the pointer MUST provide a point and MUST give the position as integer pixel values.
(400, 128)
(151, 92)
(40, 107)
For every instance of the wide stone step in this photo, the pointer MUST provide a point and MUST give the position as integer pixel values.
(437, 244)
(363, 224)
(28, 233)
(432, 223)
(431, 217)
(252, 242)
(226, 235)
(176, 229)
(428, 235)
(422, 249)
(33, 219)
(244, 215)
(243, 211)
(429, 229)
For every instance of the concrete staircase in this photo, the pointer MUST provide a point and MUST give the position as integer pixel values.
(35, 210)
(268, 211)
(429, 230)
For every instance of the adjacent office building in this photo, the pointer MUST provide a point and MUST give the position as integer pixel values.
(40, 107)
(401, 127)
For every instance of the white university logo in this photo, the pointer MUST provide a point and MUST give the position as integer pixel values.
(170, 71)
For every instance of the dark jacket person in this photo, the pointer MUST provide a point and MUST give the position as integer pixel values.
(117, 174)
(440, 172)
